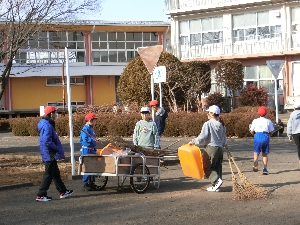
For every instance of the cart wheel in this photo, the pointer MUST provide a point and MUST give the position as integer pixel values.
(99, 183)
(139, 183)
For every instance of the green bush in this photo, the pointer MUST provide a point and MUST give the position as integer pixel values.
(173, 125)
(123, 124)
(253, 96)
(181, 124)
(229, 122)
(191, 123)
(4, 124)
(19, 126)
(215, 99)
(32, 126)
(78, 122)
(103, 121)
(62, 126)
(241, 126)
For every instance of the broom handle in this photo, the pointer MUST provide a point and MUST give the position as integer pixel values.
(95, 139)
(236, 166)
(164, 149)
(232, 173)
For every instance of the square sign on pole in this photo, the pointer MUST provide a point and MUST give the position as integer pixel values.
(159, 74)
(275, 66)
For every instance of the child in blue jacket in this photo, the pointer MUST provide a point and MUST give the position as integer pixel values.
(88, 140)
(51, 150)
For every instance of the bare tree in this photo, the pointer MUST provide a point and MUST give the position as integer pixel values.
(230, 74)
(21, 20)
(197, 80)
(134, 84)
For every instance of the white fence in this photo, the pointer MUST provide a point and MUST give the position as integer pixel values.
(228, 48)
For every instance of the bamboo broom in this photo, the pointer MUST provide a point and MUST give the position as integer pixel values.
(247, 191)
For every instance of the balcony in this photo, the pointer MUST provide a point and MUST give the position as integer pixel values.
(237, 49)
(177, 6)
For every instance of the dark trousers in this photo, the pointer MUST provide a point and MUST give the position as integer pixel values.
(296, 138)
(212, 162)
(51, 173)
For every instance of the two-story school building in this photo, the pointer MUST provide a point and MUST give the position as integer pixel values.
(251, 31)
(98, 52)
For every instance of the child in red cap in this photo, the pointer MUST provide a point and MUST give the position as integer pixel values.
(261, 128)
(51, 150)
(160, 116)
(88, 140)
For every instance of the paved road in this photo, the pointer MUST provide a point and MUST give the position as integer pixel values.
(179, 200)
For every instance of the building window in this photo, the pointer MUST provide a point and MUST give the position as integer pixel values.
(119, 46)
(200, 32)
(261, 76)
(255, 26)
(73, 104)
(295, 27)
(58, 81)
(48, 47)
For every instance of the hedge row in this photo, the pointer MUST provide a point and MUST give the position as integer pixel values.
(178, 124)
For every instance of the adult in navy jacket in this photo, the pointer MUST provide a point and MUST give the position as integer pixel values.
(160, 116)
(51, 150)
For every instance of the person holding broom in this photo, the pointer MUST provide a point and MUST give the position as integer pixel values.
(88, 140)
(262, 129)
(213, 134)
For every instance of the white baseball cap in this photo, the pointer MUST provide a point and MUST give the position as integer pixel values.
(214, 109)
(145, 110)
(297, 105)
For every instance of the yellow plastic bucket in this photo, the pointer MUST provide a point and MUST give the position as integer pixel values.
(191, 161)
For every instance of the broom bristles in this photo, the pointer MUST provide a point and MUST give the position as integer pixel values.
(246, 191)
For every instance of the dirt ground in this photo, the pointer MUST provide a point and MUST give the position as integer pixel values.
(22, 170)
(179, 199)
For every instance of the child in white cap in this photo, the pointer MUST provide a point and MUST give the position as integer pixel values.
(293, 127)
(213, 134)
(145, 131)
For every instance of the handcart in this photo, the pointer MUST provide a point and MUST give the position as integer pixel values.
(139, 168)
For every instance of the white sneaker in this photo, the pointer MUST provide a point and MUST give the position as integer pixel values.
(212, 188)
(216, 187)
(218, 183)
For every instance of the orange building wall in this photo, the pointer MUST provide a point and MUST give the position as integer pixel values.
(32, 92)
(103, 90)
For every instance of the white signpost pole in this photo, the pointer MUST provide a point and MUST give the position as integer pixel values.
(70, 112)
(275, 66)
(152, 87)
(160, 94)
(159, 75)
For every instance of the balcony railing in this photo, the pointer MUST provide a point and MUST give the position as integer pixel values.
(238, 48)
(174, 5)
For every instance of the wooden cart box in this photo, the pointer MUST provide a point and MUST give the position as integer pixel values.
(98, 164)
(125, 163)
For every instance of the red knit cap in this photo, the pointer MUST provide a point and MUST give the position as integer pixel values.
(262, 111)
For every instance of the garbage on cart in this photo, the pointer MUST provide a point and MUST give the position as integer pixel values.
(110, 149)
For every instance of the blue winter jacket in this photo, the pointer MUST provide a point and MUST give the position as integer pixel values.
(50, 145)
(88, 139)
